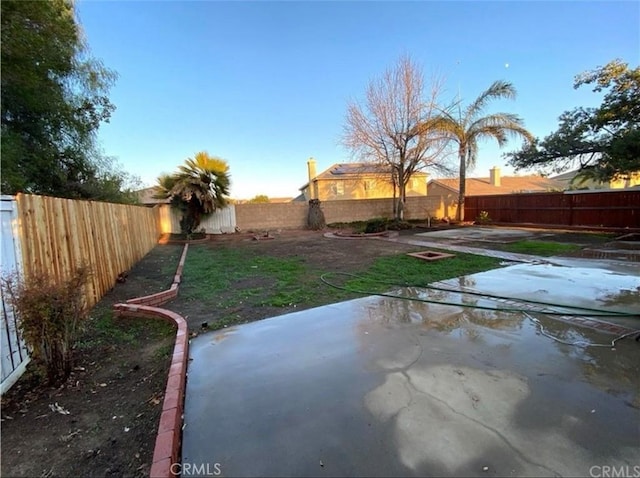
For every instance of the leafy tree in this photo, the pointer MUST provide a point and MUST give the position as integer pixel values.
(386, 128)
(603, 142)
(54, 97)
(469, 126)
(198, 188)
(259, 199)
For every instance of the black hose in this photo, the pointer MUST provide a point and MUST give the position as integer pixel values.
(590, 312)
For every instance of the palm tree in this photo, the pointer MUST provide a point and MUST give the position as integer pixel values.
(199, 187)
(468, 128)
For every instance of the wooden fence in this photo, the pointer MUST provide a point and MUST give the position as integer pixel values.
(58, 235)
(616, 208)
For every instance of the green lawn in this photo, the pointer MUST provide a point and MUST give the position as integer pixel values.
(540, 248)
(234, 279)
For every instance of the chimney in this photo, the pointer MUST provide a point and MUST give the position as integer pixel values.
(311, 165)
(494, 176)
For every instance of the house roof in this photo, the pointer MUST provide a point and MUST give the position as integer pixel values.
(508, 185)
(145, 196)
(351, 170)
(566, 177)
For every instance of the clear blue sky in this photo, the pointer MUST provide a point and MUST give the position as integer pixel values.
(265, 85)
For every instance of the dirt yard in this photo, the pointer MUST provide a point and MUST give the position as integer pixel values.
(115, 393)
(114, 396)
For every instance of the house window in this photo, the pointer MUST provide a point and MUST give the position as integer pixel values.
(368, 185)
(338, 189)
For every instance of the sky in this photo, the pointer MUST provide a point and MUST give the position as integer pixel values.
(265, 85)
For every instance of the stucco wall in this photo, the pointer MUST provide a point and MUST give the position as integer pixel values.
(449, 200)
(294, 215)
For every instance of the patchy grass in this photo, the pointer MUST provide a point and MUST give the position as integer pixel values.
(541, 248)
(411, 271)
(103, 328)
(229, 276)
(231, 280)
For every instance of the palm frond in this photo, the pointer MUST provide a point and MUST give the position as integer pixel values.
(499, 89)
(165, 184)
(199, 186)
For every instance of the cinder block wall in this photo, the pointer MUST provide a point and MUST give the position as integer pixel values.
(291, 215)
(294, 215)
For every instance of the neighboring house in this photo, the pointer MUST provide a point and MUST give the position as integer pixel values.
(571, 181)
(494, 184)
(356, 181)
(145, 196)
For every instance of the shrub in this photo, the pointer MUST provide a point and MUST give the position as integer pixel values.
(483, 217)
(51, 313)
(376, 225)
(399, 225)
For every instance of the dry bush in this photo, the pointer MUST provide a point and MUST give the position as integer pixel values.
(51, 314)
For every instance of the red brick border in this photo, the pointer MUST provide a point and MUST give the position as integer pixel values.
(168, 439)
(166, 295)
(164, 239)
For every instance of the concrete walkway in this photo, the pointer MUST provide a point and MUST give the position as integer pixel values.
(507, 256)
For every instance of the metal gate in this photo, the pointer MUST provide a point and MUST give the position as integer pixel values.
(13, 353)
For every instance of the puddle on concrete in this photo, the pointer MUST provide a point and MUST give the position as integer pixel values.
(480, 234)
(482, 381)
(398, 387)
(577, 286)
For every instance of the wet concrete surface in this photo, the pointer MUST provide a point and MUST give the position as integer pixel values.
(388, 387)
(483, 234)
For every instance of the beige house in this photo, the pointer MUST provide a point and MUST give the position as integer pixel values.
(494, 184)
(146, 197)
(356, 181)
(571, 181)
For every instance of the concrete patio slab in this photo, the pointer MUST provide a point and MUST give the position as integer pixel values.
(389, 387)
(483, 234)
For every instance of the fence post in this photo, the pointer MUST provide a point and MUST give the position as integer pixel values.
(571, 199)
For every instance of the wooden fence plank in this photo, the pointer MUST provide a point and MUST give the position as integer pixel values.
(612, 208)
(59, 235)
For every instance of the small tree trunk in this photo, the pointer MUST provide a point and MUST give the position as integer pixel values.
(462, 187)
(401, 194)
(315, 218)
(394, 183)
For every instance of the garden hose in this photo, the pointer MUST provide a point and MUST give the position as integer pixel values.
(580, 343)
(585, 311)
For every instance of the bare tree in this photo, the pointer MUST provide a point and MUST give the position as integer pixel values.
(388, 128)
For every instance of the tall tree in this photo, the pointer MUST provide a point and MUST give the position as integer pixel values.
(198, 188)
(386, 128)
(259, 199)
(54, 97)
(603, 142)
(469, 126)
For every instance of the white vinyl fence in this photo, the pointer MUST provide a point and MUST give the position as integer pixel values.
(13, 353)
(222, 221)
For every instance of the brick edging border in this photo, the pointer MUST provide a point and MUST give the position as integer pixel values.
(167, 446)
